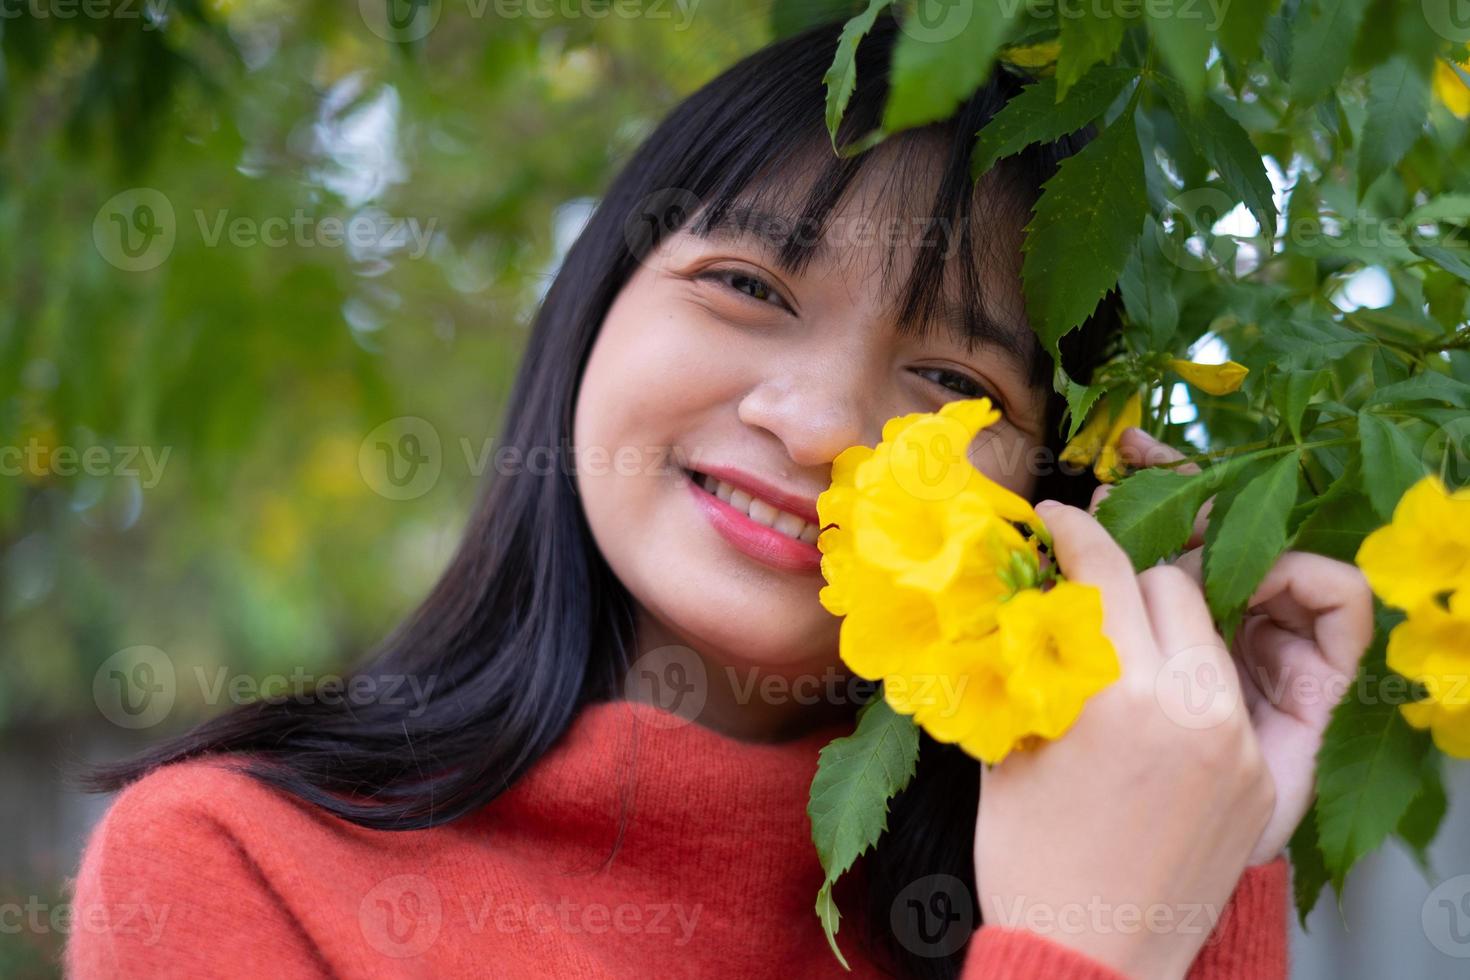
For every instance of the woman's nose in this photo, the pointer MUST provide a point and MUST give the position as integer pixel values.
(815, 413)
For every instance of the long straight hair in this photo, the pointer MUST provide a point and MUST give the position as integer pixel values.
(527, 624)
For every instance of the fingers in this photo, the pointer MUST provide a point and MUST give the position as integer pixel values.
(1139, 449)
(1319, 597)
(1088, 554)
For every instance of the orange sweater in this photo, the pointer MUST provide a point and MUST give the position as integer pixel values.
(198, 871)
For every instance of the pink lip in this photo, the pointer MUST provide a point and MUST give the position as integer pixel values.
(754, 539)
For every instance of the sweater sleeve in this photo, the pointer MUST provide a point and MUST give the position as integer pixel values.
(1249, 940)
(164, 891)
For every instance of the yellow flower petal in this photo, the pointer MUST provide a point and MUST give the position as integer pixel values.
(1424, 550)
(1097, 441)
(1450, 89)
(1213, 379)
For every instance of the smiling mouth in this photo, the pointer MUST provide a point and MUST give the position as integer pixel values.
(758, 510)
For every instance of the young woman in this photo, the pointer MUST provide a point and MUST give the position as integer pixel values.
(743, 305)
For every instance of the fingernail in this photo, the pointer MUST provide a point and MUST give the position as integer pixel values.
(1139, 432)
(1045, 505)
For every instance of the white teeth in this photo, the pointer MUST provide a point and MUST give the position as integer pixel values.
(760, 511)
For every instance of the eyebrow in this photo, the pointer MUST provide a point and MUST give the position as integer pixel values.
(773, 234)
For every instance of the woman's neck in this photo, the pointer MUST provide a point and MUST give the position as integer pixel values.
(750, 702)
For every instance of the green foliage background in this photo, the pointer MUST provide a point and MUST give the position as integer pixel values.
(1253, 180)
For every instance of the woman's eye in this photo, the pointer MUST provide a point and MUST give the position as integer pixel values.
(748, 283)
(961, 384)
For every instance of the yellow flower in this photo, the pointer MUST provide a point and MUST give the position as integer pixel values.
(1450, 89)
(1041, 57)
(1432, 647)
(1097, 441)
(1213, 379)
(926, 559)
(1425, 550)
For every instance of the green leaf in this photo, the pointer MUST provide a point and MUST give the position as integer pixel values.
(1391, 464)
(1221, 140)
(946, 49)
(1322, 39)
(1291, 392)
(1034, 116)
(1429, 386)
(794, 16)
(1454, 208)
(1337, 527)
(1080, 399)
(841, 78)
(1369, 769)
(1245, 23)
(1090, 36)
(1421, 821)
(1242, 544)
(1151, 513)
(1183, 31)
(1452, 260)
(1308, 872)
(856, 777)
(1398, 106)
(1147, 285)
(1083, 230)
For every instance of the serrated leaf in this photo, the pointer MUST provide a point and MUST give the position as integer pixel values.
(1242, 544)
(1398, 107)
(1183, 31)
(1147, 285)
(841, 77)
(1291, 392)
(1421, 821)
(1391, 464)
(1080, 399)
(947, 48)
(1368, 770)
(856, 777)
(1088, 38)
(1151, 513)
(1245, 23)
(1083, 230)
(1223, 141)
(1308, 872)
(1337, 527)
(1034, 116)
(1322, 38)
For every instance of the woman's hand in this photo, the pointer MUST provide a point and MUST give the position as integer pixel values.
(1296, 653)
(1125, 838)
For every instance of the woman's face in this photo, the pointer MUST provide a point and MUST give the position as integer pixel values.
(714, 363)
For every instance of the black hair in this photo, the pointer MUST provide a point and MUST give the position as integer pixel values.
(527, 624)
